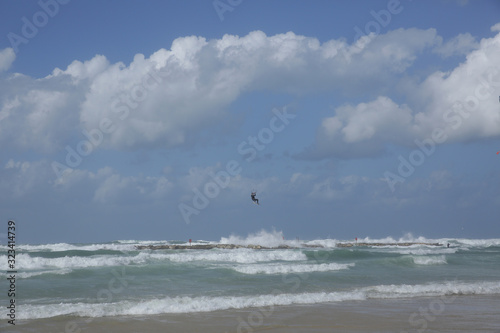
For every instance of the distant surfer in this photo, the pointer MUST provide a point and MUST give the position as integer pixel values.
(254, 199)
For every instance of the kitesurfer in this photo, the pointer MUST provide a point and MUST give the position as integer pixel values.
(254, 199)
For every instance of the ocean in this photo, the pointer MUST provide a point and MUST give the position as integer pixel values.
(114, 279)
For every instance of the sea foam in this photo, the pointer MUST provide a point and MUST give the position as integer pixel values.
(189, 304)
(289, 269)
(237, 255)
(429, 260)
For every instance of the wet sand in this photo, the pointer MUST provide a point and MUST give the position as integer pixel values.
(432, 314)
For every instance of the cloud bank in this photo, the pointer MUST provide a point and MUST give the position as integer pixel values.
(172, 97)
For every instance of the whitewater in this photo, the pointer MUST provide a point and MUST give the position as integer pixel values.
(116, 279)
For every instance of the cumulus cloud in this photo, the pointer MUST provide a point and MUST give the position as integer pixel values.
(458, 45)
(396, 50)
(460, 105)
(464, 102)
(172, 97)
(361, 130)
(89, 69)
(40, 115)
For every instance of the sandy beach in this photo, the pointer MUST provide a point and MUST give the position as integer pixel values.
(451, 314)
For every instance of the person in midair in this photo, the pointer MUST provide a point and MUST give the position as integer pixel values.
(254, 199)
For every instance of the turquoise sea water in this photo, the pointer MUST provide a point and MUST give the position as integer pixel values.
(116, 279)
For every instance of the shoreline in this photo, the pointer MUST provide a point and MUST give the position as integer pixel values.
(260, 247)
(467, 313)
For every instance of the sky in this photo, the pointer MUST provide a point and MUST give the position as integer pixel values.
(129, 120)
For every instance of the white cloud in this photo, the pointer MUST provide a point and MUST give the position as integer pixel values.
(84, 70)
(362, 130)
(381, 118)
(158, 101)
(177, 93)
(462, 103)
(37, 114)
(7, 57)
(396, 50)
(172, 97)
(458, 45)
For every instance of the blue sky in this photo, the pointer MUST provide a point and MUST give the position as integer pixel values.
(155, 120)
